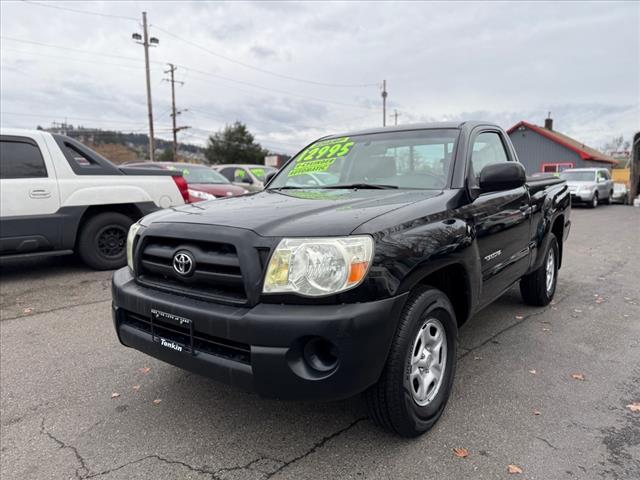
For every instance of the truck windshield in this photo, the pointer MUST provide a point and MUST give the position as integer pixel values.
(584, 176)
(417, 159)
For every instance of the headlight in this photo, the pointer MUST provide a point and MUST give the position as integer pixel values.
(315, 267)
(131, 237)
(201, 195)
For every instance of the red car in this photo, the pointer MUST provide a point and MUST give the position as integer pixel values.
(204, 183)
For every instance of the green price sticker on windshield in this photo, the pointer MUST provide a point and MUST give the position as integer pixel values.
(321, 155)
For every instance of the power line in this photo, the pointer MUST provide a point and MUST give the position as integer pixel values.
(211, 52)
(194, 70)
(58, 115)
(262, 70)
(82, 60)
(97, 14)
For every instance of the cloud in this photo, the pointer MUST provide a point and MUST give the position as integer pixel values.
(502, 62)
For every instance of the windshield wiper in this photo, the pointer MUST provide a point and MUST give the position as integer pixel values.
(362, 186)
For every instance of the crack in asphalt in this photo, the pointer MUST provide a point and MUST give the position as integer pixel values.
(83, 472)
(83, 465)
(513, 325)
(40, 312)
(547, 442)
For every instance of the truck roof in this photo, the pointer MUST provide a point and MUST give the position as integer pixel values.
(415, 126)
(21, 131)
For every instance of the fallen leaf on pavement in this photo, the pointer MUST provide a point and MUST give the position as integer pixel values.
(157, 401)
(477, 358)
(519, 317)
(461, 452)
(533, 372)
(514, 468)
(145, 370)
(634, 407)
(577, 310)
(27, 310)
(546, 329)
(115, 395)
(136, 387)
(577, 376)
(599, 300)
(537, 412)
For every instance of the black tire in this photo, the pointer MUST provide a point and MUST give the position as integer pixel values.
(594, 201)
(533, 287)
(102, 240)
(389, 403)
(608, 200)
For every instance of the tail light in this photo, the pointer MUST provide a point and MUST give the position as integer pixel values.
(183, 186)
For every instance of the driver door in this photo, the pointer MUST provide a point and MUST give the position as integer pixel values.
(502, 220)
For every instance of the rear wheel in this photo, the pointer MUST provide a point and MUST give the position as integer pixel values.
(539, 287)
(417, 379)
(102, 241)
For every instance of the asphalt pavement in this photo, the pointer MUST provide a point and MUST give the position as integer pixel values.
(544, 389)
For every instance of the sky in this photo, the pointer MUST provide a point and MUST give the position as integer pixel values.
(296, 71)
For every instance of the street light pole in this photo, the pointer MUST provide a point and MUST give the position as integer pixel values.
(146, 43)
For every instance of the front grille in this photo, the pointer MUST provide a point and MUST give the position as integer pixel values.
(217, 275)
(189, 338)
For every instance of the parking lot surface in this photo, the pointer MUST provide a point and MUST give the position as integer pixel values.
(545, 389)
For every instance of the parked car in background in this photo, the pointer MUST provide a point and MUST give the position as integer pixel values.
(620, 193)
(250, 176)
(204, 183)
(323, 292)
(591, 186)
(60, 197)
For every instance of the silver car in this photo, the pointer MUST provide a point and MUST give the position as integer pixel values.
(589, 185)
(250, 176)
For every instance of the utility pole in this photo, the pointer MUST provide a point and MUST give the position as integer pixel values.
(395, 116)
(384, 103)
(147, 42)
(174, 112)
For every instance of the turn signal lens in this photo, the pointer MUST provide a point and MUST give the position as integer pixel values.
(131, 237)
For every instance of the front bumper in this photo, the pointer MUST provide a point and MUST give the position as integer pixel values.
(272, 335)
(580, 197)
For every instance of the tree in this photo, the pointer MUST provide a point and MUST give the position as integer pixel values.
(234, 144)
(166, 155)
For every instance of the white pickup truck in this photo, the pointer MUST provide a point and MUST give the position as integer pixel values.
(59, 197)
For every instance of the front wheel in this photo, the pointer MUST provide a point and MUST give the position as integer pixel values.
(594, 201)
(417, 379)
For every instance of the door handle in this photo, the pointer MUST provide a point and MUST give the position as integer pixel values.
(39, 193)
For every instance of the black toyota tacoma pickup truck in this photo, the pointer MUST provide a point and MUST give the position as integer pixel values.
(351, 272)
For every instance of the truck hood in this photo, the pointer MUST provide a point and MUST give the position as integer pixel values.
(312, 212)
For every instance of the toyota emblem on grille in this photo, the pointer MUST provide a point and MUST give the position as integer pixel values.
(183, 263)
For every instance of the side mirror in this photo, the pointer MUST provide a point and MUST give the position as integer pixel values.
(502, 176)
(268, 177)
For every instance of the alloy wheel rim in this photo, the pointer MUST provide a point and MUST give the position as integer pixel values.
(428, 361)
(551, 271)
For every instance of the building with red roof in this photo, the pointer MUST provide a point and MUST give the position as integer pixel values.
(543, 149)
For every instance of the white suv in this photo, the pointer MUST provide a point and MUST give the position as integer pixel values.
(58, 196)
